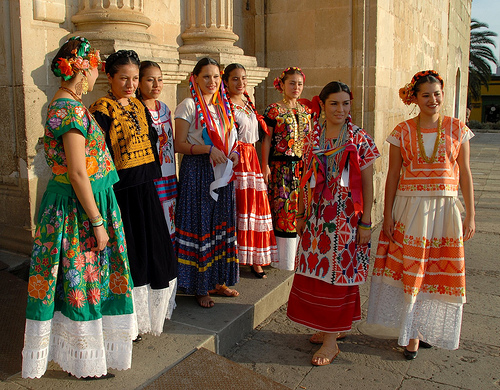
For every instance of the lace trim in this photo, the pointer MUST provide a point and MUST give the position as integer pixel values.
(436, 322)
(82, 348)
(255, 223)
(154, 306)
(245, 180)
(257, 256)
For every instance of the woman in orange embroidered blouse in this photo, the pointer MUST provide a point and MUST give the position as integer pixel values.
(418, 282)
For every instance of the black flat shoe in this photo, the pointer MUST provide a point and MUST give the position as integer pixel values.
(137, 339)
(259, 275)
(410, 355)
(423, 344)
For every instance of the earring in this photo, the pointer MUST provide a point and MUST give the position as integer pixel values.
(85, 85)
(322, 115)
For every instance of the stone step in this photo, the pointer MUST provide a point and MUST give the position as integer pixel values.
(192, 327)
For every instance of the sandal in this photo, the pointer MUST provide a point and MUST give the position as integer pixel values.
(327, 354)
(205, 301)
(224, 291)
(317, 338)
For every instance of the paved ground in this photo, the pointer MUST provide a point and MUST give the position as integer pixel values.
(279, 349)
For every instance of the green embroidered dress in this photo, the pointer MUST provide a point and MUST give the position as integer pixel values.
(80, 310)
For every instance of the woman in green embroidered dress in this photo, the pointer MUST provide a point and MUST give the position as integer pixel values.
(80, 308)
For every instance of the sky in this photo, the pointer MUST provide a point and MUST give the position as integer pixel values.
(488, 11)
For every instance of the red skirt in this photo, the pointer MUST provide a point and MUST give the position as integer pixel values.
(256, 241)
(322, 306)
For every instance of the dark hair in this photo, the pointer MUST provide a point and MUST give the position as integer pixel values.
(228, 69)
(146, 65)
(120, 58)
(204, 62)
(290, 72)
(66, 51)
(426, 79)
(334, 87)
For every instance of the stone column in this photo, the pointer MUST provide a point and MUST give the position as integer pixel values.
(209, 28)
(209, 32)
(112, 19)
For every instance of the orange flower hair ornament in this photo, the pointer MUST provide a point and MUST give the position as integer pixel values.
(407, 93)
(277, 80)
(84, 59)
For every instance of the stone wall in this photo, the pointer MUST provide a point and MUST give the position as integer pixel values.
(375, 46)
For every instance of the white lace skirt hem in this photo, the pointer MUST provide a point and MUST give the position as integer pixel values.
(81, 348)
(436, 322)
(154, 306)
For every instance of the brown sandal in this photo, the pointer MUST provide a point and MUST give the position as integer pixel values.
(224, 291)
(326, 353)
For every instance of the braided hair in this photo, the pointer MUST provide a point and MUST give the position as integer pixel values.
(119, 58)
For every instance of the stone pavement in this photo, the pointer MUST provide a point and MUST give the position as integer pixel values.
(280, 350)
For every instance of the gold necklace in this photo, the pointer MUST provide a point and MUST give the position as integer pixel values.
(298, 131)
(436, 143)
(73, 95)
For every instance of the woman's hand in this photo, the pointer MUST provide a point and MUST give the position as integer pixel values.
(234, 158)
(300, 226)
(217, 156)
(101, 237)
(363, 236)
(388, 227)
(469, 227)
(266, 172)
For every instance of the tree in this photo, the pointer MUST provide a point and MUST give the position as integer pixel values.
(480, 56)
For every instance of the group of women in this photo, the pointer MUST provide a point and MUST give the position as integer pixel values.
(118, 235)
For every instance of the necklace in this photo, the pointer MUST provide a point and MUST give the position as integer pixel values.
(132, 114)
(436, 143)
(331, 162)
(298, 130)
(73, 95)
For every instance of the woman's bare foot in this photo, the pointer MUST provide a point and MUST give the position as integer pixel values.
(205, 301)
(328, 351)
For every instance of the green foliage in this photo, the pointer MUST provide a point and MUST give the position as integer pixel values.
(486, 125)
(480, 56)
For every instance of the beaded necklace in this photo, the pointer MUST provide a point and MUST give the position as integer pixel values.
(132, 114)
(331, 162)
(436, 143)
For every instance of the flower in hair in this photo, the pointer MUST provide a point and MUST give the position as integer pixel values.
(406, 94)
(65, 68)
(279, 79)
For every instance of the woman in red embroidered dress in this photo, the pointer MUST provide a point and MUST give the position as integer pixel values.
(333, 222)
(256, 241)
(288, 123)
(418, 283)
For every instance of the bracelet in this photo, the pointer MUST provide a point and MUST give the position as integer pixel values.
(235, 152)
(191, 150)
(97, 221)
(365, 226)
(210, 151)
